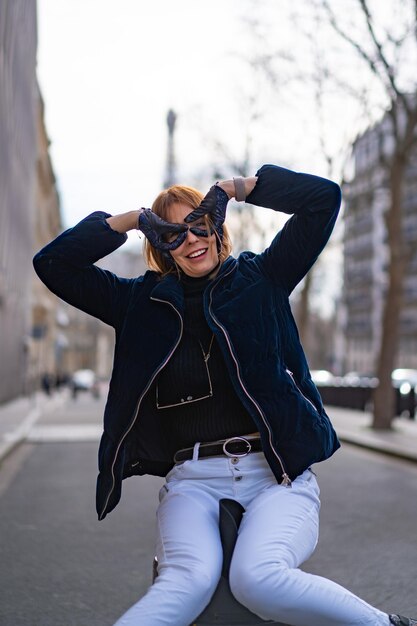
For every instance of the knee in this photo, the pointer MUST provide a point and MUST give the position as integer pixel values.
(252, 585)
(196, 580)
(202, 581)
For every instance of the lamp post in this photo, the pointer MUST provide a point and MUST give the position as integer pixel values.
(170, 177)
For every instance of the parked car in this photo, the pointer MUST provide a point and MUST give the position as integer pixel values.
(359, 379)
(85, 380)
(404, 379)
(355, 390)
(322, 377)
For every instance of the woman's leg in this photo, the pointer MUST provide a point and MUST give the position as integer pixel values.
(279, 531)
(189, 559)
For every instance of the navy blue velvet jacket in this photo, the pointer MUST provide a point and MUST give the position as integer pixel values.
(247, 307)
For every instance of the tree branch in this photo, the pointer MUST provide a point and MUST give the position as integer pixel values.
(388, 69)
(415, 18)
(362, 53)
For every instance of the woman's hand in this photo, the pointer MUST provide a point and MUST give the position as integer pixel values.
(162, 235)
(215, 201)
(214, 205)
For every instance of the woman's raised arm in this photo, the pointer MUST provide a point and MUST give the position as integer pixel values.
(66, 266)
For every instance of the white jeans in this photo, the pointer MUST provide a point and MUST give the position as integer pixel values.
(279, 531)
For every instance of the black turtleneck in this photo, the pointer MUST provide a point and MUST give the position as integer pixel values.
(185, 376)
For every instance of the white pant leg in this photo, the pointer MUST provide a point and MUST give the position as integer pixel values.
(189, 558)
(279, 531)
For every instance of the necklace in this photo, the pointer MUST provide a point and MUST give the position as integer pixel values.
(206, 355)
(189, 399)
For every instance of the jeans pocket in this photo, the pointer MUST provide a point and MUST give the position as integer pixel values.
(176, 472)
(307, 482)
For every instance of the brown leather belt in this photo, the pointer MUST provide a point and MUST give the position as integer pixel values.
(232, 447)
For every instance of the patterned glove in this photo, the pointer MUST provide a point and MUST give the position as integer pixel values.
(162, 235)
(214, 205)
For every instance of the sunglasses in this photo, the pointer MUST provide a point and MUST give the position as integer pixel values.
(199, 228)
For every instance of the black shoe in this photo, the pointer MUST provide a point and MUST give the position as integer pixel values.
(399, 620)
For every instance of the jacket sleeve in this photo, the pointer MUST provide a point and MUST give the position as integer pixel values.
(66, 266)
(314, 203)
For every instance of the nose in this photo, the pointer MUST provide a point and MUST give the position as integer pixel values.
(191, 238)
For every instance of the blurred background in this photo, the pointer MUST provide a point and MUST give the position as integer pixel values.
(103, 104)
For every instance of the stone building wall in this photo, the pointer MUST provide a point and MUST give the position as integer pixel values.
(18, 154)
(47, 339)
(366, 255)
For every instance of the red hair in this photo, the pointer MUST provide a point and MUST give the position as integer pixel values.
(178, 194)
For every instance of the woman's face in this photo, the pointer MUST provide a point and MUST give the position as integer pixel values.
(196, 256)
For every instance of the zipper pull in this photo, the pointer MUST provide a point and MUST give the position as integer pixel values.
(286, 480)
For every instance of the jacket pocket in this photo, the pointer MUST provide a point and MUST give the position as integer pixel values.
(298, 388)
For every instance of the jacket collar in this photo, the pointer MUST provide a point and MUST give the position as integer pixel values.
(168, 289)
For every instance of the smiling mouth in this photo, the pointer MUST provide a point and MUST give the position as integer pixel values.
(197, 253)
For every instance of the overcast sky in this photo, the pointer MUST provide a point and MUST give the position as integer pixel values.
(109, 71)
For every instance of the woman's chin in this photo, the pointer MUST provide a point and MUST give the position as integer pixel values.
(197, 270)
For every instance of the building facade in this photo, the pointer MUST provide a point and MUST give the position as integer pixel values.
(46, 337)
(366, 257)
(18, 155)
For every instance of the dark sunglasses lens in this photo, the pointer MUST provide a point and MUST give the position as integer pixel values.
(200, 232)
(170, 237)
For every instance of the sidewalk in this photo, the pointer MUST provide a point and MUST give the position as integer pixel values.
(17, 419)
(19, 416)
(355, 427)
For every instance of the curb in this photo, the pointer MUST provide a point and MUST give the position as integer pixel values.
(12, 439)
(355, 427)
(389, 450)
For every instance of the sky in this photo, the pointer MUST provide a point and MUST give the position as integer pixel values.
(109, 76)
(109, 72)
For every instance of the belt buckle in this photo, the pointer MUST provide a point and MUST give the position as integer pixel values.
(236, 454)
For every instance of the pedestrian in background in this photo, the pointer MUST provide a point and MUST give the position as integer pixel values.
(211, 389)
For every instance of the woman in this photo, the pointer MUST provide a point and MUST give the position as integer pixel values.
(211, 388)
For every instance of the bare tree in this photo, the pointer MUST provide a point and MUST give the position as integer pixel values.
(288, 79)
(318, 81)
(385, 51)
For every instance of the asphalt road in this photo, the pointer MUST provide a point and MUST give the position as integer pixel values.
(61, 567)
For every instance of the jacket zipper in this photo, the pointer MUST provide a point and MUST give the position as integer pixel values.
(286, 481)
(299, 390)
(140, 400)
